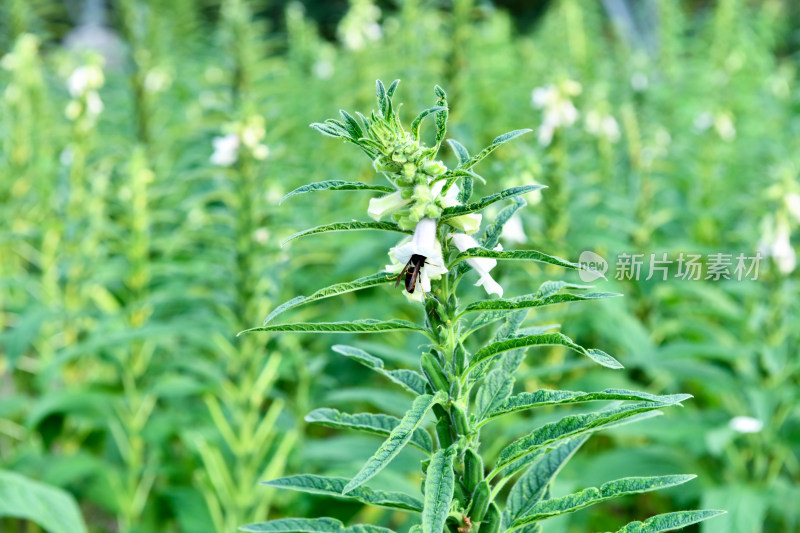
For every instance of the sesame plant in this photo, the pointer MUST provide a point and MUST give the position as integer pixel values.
(461, 386)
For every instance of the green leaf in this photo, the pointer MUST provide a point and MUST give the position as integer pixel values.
(408, 379)
(591, 496)
(539, 398)
(51, 508)
(545, 339)
(440, 118)
(353, 225)
(399, 437)
(458, 210)
(549, 288)
(531, 487)
(439, 486)
(418, 120)
(328, 129)
(296, 525)
(351, 124)
(567, 427)
(669, 521)
(377, 424)
(337, 185)
(518, 255)
(491, 236)
(532, 300)
(499, 141)
(334, 290)
(497, 386)
(332, 486)
(461, 152)
(392, 88)
(380, 91)
(367, 528)
(368, 325)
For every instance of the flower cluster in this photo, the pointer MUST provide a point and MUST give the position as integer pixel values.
(555, 101)
(249, 133)
(83, 85)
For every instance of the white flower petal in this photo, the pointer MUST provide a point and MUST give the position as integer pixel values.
(746, 424)
(491, 286)
(386, 205)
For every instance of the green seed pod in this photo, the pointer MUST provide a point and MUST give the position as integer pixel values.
(481, 498)
(459, 494)
(432, 314)
(460, 358)
(473, 469)
(491, 522)
(444, 432)
(455, 389)
(460, 421)
(433, 372)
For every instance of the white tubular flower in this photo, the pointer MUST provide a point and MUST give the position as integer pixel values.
(746, 424)
(467, 223)
(513, 231)
(386, 205)
(481, 265)
(226, 150)
(424, 243)
(85, 78)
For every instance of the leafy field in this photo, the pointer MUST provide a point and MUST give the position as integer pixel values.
(141, 229)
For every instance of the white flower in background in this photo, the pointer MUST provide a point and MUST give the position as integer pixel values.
(84, 79)
(323, 69)
(746, 424)
(513, 231)
(226, 150)
(424, 243)
(360, 25)
(157, 80)
(481, 265)
(557, 106)
(792, 201)
(777, 244)
(703, 121)
(602, 126)
(723, 123)
(639, 81)
(386, 205)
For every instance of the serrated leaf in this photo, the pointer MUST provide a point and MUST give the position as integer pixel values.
(532, 300)
(377, 424)
(372, 280)
(568, 427)
(496, 143)
(491, 236)
(418, 120)
(296, 525)
(593, 495)
(52, 508)
(459, 210)
(439, 486)
(669, 521)
(545, 339)
(332, 486)
(353, 225)
(518, 255)
(540, 398)
(531, 486)
(398, 438)
(368, 325)
(337, 185)
(408, 379)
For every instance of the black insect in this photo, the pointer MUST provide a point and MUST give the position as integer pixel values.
(411, 272)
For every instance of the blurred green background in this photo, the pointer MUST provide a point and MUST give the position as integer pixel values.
(145, 145)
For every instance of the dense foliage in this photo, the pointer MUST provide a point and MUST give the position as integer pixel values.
(141, 231)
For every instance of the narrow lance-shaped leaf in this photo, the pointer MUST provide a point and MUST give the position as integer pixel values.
(531, 486)
(418, 120)
(357, 326)
(548, 288)
(337, 185)
(540, 398)
(491, 236)
(669, 521)
(334, 290)
(398, 438)
(499, 141)
(408, 379)
(377, 424)
(461, 152)
(332, 486)
(296, 525)
(353, 225)
(367, 528)
(440, 118)
(567, 427)
(545, 339)
(519, 255)
(351, 124)
(593, 495)
(439, 488)
(459, 210)
(532, 300)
